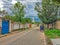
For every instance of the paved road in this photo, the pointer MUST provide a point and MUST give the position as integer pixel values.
(31, 37)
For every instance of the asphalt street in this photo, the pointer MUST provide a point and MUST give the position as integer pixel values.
(29, 37)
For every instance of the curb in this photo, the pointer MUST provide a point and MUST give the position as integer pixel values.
(45, 43)
(3, 35)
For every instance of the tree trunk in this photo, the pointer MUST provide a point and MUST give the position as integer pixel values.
(30, 25)
(19, 26)
(47, 26)
(52, 25)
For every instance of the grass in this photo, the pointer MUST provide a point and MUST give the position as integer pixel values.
(53, 33)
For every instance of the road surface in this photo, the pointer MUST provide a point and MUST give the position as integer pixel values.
(28, 37)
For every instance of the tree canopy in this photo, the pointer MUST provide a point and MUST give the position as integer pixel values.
(57, 1)
(47, 13)
(26, 20)
(18, 11)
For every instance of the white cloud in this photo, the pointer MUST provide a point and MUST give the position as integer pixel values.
(33, 0)
(23, 2)
(1, 6)
(13, 1)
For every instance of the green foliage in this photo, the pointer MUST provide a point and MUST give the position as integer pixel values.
(53, 33)
(48, 12)
(26, 20)
(56, 1)
(7, 16)
(18, 11)
(35, 22)
(13, 18)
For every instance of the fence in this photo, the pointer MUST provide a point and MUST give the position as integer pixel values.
(7, 26)
(15, 26)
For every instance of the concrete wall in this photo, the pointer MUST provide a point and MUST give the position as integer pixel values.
(21, 26)
(24, 26)
(34, 25)
(16, 26)
(58, 24)
(13, 26)
(27, 25)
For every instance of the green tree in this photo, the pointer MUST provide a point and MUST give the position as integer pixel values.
(56, 1)
(18, 11)
(28, 20)
(25, 21)
(7, 17)
(47, 13)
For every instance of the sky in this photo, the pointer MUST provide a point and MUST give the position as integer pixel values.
(30, 12)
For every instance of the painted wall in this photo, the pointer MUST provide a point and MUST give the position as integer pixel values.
(16, 26)
(21, 26)
(58, 24)
(34, 25)
(13, 26)
(27, 25)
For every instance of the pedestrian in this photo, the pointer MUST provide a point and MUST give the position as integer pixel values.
(42, 27)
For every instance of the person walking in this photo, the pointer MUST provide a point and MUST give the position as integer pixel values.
(42, 27)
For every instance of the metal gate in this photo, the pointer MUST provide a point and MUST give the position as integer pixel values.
(5, 26)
